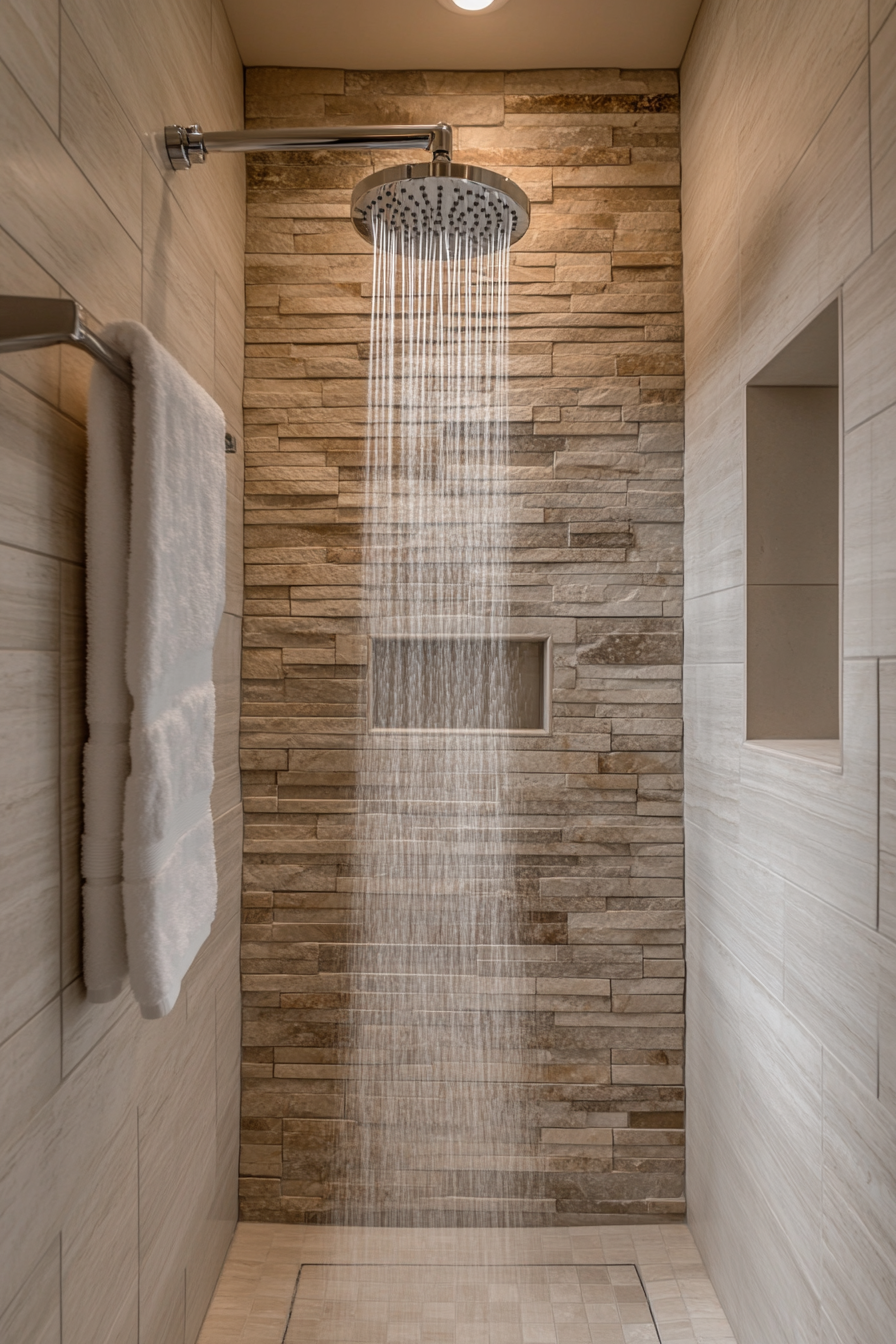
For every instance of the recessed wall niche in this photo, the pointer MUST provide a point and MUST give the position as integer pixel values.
(793, 544)
(461, 683)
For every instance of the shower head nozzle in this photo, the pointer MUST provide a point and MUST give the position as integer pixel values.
(470, 209)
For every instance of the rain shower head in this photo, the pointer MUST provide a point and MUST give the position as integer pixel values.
(471, 210)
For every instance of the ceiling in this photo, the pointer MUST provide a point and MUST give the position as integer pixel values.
(422, 35)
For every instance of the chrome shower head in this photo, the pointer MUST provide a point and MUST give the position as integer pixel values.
(469, 208)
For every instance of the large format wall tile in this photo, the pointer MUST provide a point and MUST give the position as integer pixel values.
(792, 864)
(103, 1116)
(883, 135)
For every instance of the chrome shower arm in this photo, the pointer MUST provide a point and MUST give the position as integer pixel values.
(187, 145)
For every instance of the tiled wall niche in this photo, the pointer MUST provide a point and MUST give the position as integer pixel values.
(595, 479)
(793, 505)
(117, 1136)
(788, 197)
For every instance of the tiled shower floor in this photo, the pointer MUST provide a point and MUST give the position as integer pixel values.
(470, 1304)
(607, 1285)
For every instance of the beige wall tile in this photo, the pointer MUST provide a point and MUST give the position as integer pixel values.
(178, 281)
(32, 1056)
(100, 1251)
(52, 211)
(35, 369)
(714, 502)
(883, 136)
(29, 600)
(227, 708)
(73, 215)
(29, 814)
(714, 627)
(828, 981)
(96, 133)
(42, 457)
(802, 240)
(782, 855)
(72, 735)
(886, 987)
(878, 11)
(713, 731)
(860, 1203)
(787, 803)
(785, 113)
(29, 40)
(869, 323)
(741, 903)
(869, 553)
(34, 1315)
(887, 823)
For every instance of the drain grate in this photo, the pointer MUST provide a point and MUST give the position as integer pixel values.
(470, 1304)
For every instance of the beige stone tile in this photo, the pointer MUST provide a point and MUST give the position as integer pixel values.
(35, 1314)
(869, 321)
(383, 109)
(111, 161)
(29, 40)
(49, 208)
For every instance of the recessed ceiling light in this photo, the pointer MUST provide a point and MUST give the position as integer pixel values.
(472, 6)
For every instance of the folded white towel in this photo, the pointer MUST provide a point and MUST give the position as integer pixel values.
(155, 567)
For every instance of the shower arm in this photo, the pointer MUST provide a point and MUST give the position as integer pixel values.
(187, 145)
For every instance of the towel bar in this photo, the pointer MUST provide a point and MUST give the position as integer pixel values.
(28, 324)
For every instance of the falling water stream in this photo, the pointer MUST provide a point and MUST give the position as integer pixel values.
(435, 1046)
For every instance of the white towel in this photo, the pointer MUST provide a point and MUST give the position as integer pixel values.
(156, 498)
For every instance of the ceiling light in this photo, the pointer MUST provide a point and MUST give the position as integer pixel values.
(472, 6)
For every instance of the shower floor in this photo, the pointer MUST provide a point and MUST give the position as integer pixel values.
(597, 1285)
(470, 1304)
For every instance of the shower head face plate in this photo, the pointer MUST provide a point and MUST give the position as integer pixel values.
(470, 209)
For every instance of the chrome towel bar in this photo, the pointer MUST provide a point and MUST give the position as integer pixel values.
(28, 323)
